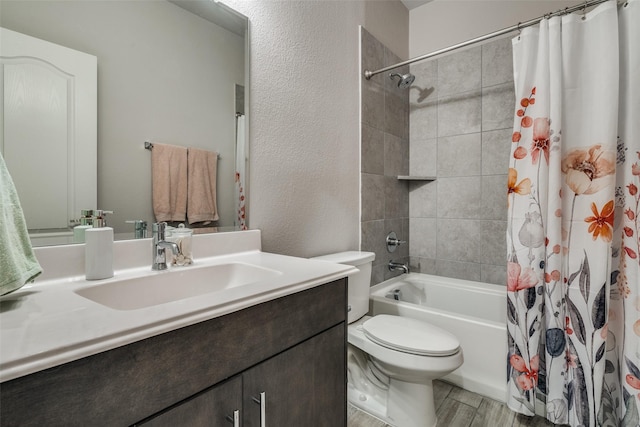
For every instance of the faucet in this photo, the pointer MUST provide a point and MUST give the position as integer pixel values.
(394, 266)
(160, 245)
(140, 226)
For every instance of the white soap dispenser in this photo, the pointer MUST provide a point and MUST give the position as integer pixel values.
(98, 257)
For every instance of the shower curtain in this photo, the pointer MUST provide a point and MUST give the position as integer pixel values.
(573, 234)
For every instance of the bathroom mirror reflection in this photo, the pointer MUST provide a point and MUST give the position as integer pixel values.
(168, 72)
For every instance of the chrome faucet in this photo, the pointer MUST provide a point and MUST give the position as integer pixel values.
(160, 245)
(395, 266)
(140, 226)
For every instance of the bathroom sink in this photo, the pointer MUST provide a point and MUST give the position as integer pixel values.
(174, 285)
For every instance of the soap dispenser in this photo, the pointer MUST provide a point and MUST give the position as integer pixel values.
(98, 258)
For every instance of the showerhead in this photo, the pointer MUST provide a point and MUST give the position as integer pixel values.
(405, 79)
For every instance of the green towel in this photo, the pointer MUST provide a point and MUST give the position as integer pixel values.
(18, 264)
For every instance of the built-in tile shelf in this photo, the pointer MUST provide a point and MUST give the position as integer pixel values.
(416, 178)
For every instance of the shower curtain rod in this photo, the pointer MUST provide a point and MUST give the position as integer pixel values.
(368, 74)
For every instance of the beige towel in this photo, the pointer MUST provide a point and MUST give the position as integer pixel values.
(169, 174)
(205, 230)
(201, 202)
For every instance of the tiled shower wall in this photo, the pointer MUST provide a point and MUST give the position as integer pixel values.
(457, 116)
(385, 155)
(461, 116)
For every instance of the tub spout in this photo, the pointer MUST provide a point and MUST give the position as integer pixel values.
(395, 266)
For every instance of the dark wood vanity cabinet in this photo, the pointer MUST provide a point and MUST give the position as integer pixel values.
(213, 407)
(292, 350)
(299, 389)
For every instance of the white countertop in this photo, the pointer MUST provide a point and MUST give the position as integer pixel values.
(46, 323)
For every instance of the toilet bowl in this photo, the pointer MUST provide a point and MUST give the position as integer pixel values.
(392, 360)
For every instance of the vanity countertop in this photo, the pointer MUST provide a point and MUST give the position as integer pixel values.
(46, 323)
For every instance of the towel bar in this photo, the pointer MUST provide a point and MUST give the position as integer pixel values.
(149, 146)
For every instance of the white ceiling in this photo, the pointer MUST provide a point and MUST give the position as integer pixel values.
(412, 4)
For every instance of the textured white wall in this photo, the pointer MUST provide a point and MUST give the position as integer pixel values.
(304, 118)
(442, 23)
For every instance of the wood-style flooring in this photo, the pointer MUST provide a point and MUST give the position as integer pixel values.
(456, 407)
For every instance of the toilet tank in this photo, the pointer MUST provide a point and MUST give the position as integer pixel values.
(359, 283)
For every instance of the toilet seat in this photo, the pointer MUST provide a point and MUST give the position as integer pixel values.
(410, 336)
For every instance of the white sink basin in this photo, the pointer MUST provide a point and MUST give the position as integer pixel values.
(174, 285)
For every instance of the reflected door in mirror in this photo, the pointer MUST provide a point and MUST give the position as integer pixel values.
(49, 128)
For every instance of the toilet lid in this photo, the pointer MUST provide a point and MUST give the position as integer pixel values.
(410, 336)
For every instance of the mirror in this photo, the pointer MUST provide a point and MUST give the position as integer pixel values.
(170, 72)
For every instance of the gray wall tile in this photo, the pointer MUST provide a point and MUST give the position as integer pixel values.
(459, 240)
(423, 120)
(423, 237)
(459, 197)
(373, 190)
(497, 62)
(460, 72)
(396, 155)
(423, 157)
(423, 265)
(496, 149)
(425, 87)
(494, 197)
(423, 199)
(373, 239)
(385, 155)
(372, 150)
(498, 104)
(372, 55)
(396, 113)
(396, 100)
(396, 196)
(496, 274)
(372, 104)
(460, 155)
(403, 250)
(377, 274)
(391, 84)
(494, 242)
(460, 114)
(458, 270)
(423, 101)
(457, 117)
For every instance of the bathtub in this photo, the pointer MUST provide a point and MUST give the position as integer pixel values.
(474, 312)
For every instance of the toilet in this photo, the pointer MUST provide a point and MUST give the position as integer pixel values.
(392, 360)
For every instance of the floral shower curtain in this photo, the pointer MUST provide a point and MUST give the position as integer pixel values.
(573, 234)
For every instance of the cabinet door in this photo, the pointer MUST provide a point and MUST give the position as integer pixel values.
(303, 386)
(209, 408)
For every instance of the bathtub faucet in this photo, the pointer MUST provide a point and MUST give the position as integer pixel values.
(395, 266)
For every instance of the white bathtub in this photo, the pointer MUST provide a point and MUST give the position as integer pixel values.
(474, 312)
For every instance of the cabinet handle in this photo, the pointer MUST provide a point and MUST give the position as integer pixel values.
(235, 419)
(262, 400)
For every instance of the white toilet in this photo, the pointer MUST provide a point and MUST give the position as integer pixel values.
(392, 360)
